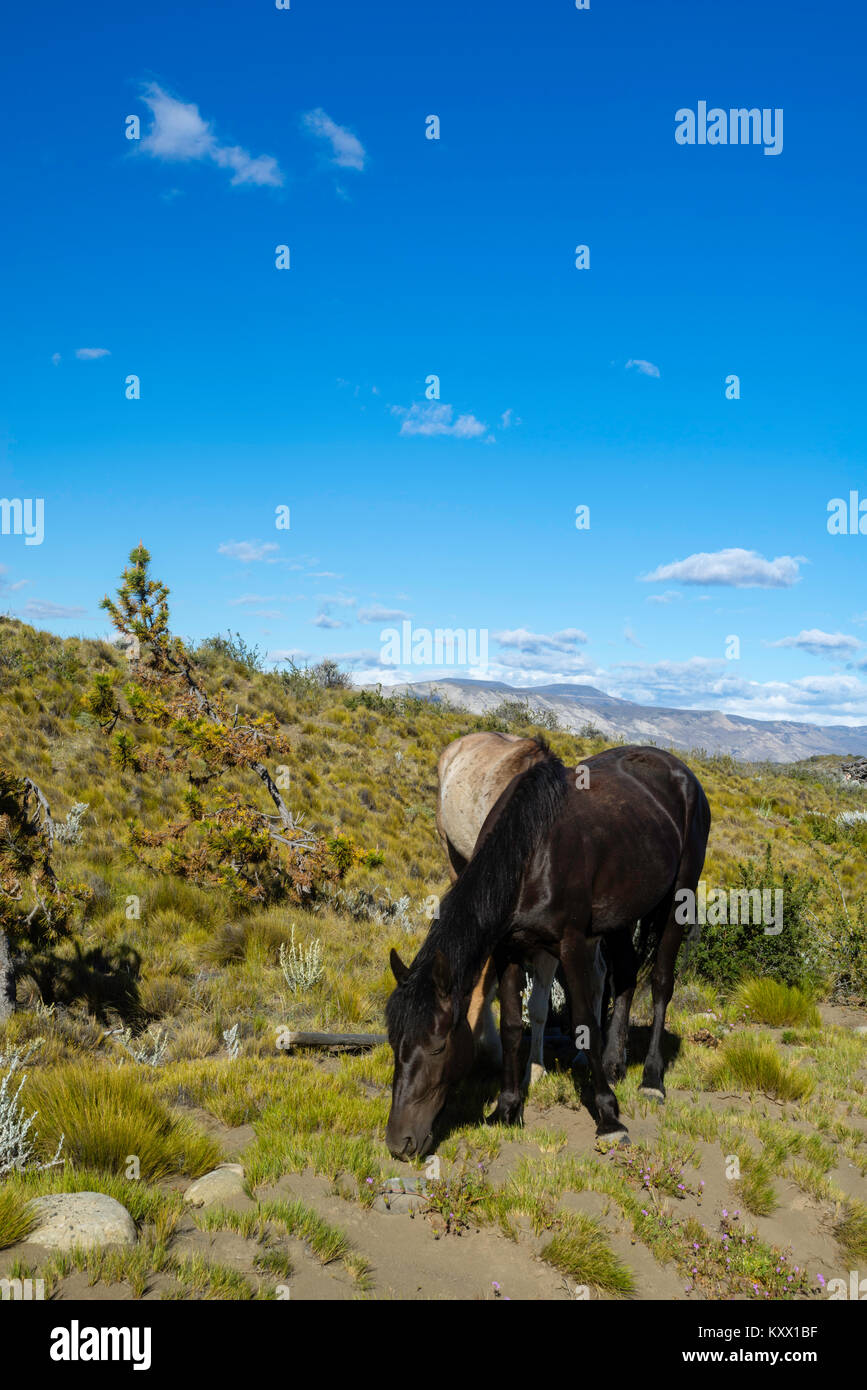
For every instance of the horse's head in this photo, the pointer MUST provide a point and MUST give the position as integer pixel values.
(433, 1048)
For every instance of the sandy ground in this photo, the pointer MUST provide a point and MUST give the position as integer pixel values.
(412, 1259)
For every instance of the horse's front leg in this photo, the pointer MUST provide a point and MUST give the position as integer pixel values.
(510, 1107)
(662, 984)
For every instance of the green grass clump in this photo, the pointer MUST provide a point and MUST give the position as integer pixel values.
(775, 1004)
(15, 1220)
(755, 1189)
(581, 1251)
(142, 1201)
(108, 1114)
(747, 1062)
(850, 1230)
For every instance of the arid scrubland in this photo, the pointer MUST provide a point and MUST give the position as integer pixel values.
(149, 1026)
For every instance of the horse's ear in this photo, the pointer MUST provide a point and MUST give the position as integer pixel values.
(442, 976)
(398, 969)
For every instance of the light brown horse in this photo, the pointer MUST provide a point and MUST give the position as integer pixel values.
(473, 772)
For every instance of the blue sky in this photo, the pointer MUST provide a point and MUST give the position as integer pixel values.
(454, 257)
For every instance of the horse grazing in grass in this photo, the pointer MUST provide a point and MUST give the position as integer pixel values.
(472, 774)
(563, 858)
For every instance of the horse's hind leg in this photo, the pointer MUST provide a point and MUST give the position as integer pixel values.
(586, 1033)
(688, 875)
(662, 983)
(662, 979)
(623, 963)
(544, 970)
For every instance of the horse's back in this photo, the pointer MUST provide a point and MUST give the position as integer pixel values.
(473, 772)
(663, 776)
(623, 836)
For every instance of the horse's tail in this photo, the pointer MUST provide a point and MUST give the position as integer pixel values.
(487, 890)
(645, 940)
(649, 930)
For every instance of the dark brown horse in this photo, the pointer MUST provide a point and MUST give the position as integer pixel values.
(563, 859)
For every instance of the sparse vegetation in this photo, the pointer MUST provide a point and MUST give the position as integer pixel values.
(164, 944)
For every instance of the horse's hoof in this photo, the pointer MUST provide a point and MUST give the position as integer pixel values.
(511, 1115)
(651, 1093)
(617, 1138)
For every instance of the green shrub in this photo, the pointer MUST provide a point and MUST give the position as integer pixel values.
(726, 953)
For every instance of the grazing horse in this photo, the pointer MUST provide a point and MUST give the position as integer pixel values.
(562, 859)
(472, 773)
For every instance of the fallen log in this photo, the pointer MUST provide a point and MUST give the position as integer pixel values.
(289, 1039)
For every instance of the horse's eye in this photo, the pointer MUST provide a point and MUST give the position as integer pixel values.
(437, 1050)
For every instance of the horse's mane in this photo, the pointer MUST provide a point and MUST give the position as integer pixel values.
(474, 913)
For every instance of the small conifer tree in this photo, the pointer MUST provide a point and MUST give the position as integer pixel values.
(224, 840)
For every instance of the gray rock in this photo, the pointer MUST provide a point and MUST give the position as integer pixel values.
(404, 1185)
(87, 1219)
(399, 1203)
(223, 1184)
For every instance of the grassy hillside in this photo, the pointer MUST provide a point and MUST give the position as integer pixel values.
(361, 767)
(160, 968)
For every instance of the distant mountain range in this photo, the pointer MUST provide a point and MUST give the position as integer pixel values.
(771, 740)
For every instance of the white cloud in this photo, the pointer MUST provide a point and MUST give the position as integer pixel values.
(712, 684)
(88, 354)
(294, 654)
(347, 150)
(56, 359)
(180, 134)
(247, 551)
(537, 668)
(436, 419)
(818, 643)
(323, 620)
(699, 683)
(375, 613)
(741, 569)
(646, 368)
(43, 608)
(340, 600)
(537, 643)
(668, 597)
